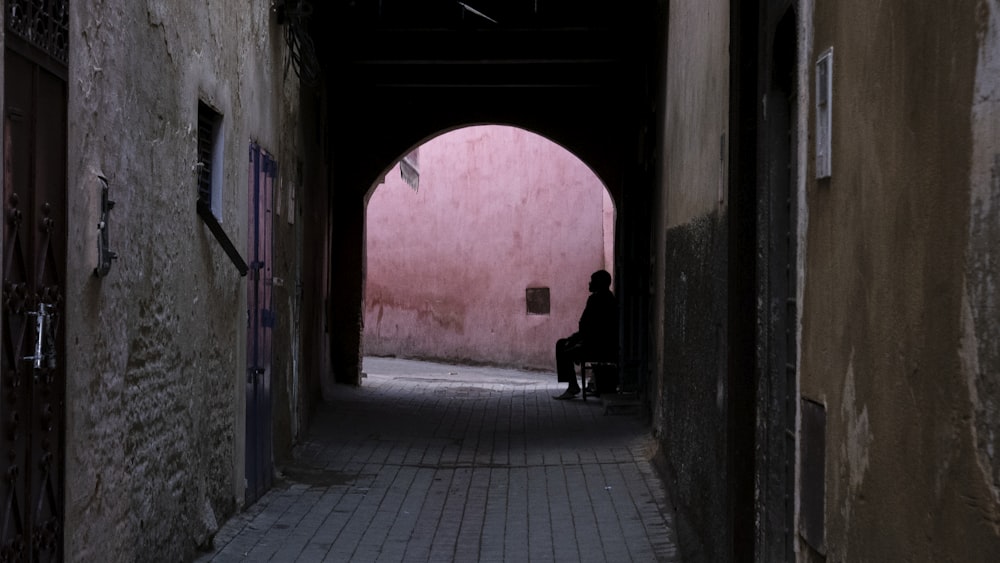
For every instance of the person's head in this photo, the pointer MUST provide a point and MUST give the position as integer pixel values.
(600, 280)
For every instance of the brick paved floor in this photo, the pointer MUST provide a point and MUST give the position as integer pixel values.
(431, 462)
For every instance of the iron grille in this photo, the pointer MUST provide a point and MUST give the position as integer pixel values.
(208, 120)
(42, 23)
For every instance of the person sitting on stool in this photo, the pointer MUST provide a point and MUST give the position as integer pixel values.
(597, 339)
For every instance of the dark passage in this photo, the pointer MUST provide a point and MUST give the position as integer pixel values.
(430, 462)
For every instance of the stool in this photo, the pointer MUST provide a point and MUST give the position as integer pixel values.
(592, 366)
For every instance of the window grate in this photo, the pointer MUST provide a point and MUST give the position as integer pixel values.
(42, 23)
(211, 141)
(208, 122)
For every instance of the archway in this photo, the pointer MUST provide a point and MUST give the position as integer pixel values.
(579, 76)
(479, 245)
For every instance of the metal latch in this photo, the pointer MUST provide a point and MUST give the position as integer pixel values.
(45, 344)
(104, 253)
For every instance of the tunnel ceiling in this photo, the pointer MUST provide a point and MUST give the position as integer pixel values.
(408, 45)
(395, 72)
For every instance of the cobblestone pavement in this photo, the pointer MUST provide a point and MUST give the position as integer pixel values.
(433, 462)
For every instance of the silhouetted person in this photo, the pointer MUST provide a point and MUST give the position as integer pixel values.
(597, 339)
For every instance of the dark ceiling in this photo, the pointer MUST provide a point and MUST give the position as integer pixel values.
(479, 44)
(396, 72)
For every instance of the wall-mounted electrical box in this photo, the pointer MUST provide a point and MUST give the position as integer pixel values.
(824, 113)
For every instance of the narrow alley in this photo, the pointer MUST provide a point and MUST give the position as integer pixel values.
(213, 212)
(432, 462)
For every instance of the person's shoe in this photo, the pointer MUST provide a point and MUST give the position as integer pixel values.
(567, 394)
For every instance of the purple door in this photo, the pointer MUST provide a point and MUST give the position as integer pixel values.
(260, 321)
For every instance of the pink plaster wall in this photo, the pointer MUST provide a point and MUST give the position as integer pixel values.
(498, 210)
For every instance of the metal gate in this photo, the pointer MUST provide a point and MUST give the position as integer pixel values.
(260, 321)
(32, 374)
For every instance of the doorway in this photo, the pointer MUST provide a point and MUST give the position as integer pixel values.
(32, 391)
(778, 386)
(260, 323)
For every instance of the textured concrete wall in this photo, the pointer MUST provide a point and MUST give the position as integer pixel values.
(899, 322)
(498, 210)
(691, 253)
(692, 432)
(695, 117)
(156, 350)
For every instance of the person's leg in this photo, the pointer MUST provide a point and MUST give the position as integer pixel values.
(565, 369)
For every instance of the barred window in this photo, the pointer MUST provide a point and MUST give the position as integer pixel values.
(211, 141)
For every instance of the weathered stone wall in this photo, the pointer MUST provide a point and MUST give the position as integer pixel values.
(691, 249)
(980, 315)
(899, 321)
(156, 350)
(498, 210)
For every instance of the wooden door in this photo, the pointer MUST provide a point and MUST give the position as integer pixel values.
(260, 321)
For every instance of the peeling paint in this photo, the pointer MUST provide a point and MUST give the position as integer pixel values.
(855, 450)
